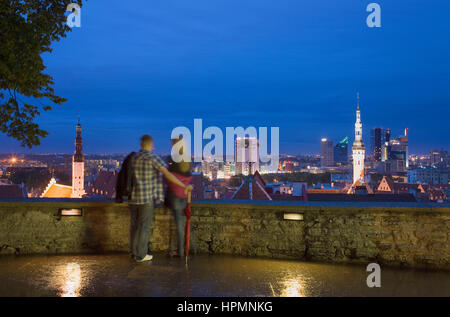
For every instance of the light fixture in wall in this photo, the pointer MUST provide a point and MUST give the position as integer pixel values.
(293, 216)
(71, 212)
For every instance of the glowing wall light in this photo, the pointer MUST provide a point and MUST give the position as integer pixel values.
(293, 216)
(71, 212)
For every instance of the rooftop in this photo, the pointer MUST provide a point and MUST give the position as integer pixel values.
(11, 191)
(118, 275)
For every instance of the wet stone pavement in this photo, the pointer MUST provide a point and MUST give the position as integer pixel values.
(118, 275)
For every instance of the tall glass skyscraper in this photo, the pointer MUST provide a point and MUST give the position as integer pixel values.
(326, 153)
(377, 139)
(246, 154)
(341, 152)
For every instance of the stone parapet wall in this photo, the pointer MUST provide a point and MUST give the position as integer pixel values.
(410, 235)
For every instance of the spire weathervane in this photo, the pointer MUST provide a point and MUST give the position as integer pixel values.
(357, 100)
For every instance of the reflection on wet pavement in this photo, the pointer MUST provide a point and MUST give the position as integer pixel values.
(291, 288)
(71, 280)
(118, 275)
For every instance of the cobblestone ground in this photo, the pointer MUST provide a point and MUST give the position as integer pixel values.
(118, 275)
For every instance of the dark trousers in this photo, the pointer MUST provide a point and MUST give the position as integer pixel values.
(177, 205)
(141, 217)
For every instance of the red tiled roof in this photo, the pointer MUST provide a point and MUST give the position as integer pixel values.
(252, 189)
(259, 178)
(324, 191)
(286, 197)
(405, 187)
(55, 190)
(363, 198)
(398, 188)
(11, 191)
(104, 185)
(359, 186)
(228, 194)
(5, 181)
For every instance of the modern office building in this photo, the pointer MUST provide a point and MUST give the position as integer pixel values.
(229, 169)
(395, 154)
(404, 141)
(387, 135)
(377, 139)
(439, 158)
(385, 147)
(326, 153)
(246, 155)
(341, 152)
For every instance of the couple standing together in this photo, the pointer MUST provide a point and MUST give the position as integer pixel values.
(140, 179)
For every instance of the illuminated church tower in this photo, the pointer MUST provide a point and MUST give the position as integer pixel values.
(358, 148)
(78, 166)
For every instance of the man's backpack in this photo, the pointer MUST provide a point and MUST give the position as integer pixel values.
(124, 185)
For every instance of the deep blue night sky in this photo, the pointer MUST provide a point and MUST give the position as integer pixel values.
(139, 67)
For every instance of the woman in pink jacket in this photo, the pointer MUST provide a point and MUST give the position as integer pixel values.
(176, 199)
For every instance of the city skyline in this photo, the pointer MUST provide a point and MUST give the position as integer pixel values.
(126, 71)
(316, 153)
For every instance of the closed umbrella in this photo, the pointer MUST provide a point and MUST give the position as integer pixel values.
(187, 235)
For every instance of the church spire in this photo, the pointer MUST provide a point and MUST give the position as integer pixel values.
(358, 126)
(78, 156)
(78, 165)
(358, 148)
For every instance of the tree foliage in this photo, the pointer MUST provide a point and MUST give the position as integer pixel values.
(32, 179)
(27, 29)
